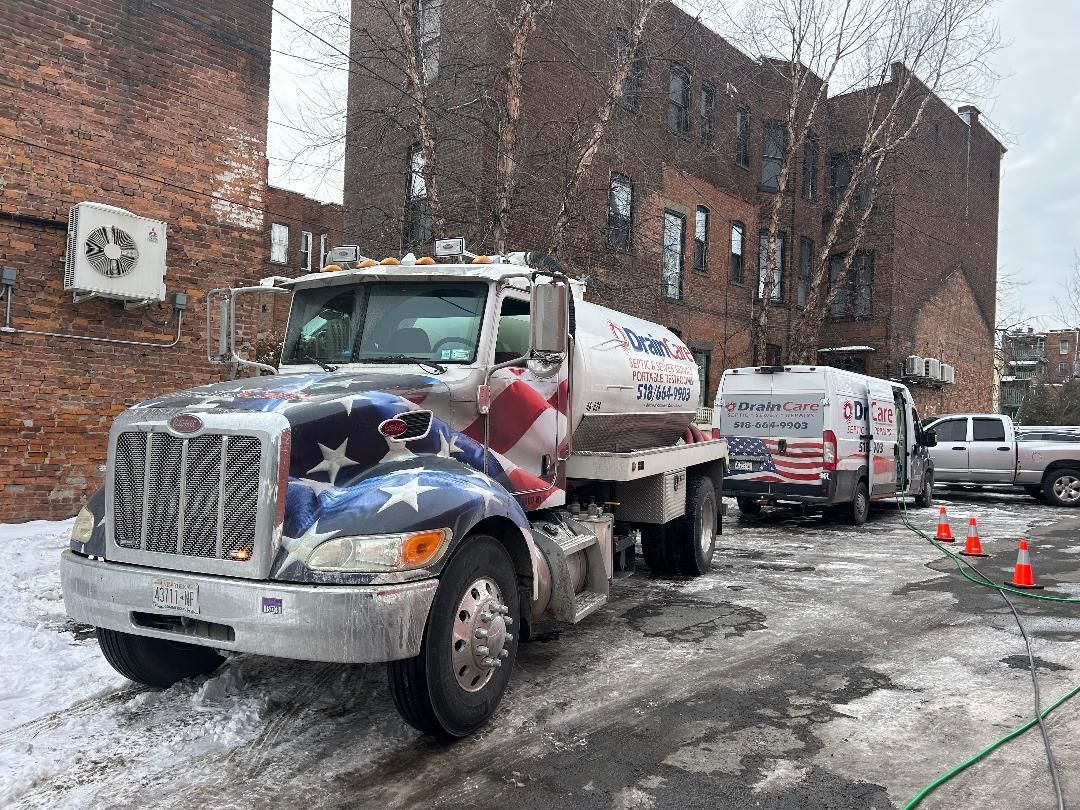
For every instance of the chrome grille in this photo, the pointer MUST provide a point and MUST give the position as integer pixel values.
(195, 497)
(418, 422)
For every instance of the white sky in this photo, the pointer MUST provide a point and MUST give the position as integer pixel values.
(1035, 104)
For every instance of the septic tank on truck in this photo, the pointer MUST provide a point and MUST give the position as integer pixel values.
(451, 451)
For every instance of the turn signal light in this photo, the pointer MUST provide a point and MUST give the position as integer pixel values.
(421, 547)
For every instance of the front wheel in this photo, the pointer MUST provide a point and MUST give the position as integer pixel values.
(1062, 487)
(456, 682)
(155, 661)
(859, 508)
(925, 497)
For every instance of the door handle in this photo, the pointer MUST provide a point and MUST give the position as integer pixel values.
(1005, 449)
(959, 448)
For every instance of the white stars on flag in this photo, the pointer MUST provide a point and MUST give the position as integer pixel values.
(408, 493)
(333, 461)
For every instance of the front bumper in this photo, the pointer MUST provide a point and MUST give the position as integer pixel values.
(344, 623)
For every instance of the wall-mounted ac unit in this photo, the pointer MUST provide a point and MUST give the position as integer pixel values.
(948, 373)
(932, 367)
(112, 253)
(914, 366)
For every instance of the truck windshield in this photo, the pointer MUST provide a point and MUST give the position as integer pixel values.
(372, 321)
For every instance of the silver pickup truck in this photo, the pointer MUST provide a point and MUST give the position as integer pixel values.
(983, 448)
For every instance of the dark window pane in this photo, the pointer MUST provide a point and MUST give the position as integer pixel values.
(738, 230)
(775, 145)
(987, 430)
(839, 306)
(951, 430)
(742, 136)
(708, 103)
(630, 93)
(701, 239)
(620, 212)
(679, 100)
(862, 280)
(809, 175)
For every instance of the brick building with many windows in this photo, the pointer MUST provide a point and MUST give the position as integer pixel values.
(1031, 358)
(671, 221)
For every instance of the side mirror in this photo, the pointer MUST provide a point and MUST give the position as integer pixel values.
(930, 437)
(549, 322)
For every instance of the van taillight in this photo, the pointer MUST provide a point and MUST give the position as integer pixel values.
(829, 450)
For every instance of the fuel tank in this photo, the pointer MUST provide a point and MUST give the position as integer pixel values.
(636, 384)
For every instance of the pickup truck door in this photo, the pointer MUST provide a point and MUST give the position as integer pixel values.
(951, 454)
(991, 452)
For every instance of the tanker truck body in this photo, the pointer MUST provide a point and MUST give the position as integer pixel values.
(449, 454)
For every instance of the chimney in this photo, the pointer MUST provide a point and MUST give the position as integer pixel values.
(970, 114)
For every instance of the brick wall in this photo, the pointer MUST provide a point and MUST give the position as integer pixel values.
(156, 108)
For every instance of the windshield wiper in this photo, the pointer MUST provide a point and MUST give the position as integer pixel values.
(404, 358)
(324, 366)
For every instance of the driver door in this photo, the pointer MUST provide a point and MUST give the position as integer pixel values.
(528, 413)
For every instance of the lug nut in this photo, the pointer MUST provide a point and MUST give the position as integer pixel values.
(508, 621)
(481, 633)
(489, 662)
(482, 650)
(508, 637)
(486, 617)
(504, 654)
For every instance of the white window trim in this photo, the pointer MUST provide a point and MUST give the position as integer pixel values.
(323, 248)
(306, 240)
(279, 249)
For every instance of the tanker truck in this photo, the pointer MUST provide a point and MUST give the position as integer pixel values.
(451, 450)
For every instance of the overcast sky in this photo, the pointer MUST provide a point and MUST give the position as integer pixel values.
(1035, 105)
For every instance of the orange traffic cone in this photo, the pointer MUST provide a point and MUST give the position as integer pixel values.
(973, 548)
(944, 531)
(1022, 574)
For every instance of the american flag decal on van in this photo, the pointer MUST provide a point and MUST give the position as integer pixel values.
(801, 461)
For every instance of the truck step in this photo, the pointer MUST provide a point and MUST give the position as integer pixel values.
(571, 544)
(587, 602)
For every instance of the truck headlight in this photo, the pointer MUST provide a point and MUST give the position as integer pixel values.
(377, 553)
(83, 527)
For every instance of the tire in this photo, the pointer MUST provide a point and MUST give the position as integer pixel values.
(657, 551)
(155, 661)
(749, 506)
(445, 690)
(1062, 487)
(925, 498)
(693, 536)
(857, 512)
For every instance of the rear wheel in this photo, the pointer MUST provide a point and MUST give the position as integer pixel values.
(456, 682)
(859, 508)
(749, 506)
(1062, 487)
(925, 497)
(693, 536)
(155, 661)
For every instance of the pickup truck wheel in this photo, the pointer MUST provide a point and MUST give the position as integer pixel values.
(456, 682)
(925, 497)
(749, 506)
(859, 508)
(155, 661)
(693, 536)
(1062, 487)
(656, 550)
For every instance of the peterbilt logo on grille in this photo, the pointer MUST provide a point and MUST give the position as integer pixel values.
(186, 423)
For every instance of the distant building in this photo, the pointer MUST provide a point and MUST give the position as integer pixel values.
(1031, 358)
(299, 231)
(671, 226)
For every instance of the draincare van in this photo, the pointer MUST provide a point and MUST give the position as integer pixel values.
(820, 436)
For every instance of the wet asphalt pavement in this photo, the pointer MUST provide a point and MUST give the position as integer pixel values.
(817, 665)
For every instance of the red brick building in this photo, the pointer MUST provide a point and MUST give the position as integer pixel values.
(158, 108)
(299, 231)
(669, 224)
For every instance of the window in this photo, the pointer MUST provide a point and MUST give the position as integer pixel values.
(430, 33)
(987, 430)
(854, 296)
(708, 104)
(701, 239)
(1063, 347)
(809, 167)
(775, 145)
(630, 93)
(777, 270)
(772, 354)
(742, 136)
(671, 272)
(279, 243)
(702, 358)
(512, 339)
(738, 231)
(1063, 369)
(305, 250)
(417, 213)
(679, 100)
(323, 247)
(951, 430)
(842, 167)
(620, 212)
(806, 263)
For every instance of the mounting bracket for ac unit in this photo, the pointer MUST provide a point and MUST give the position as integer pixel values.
(77, 298)
(136, 304)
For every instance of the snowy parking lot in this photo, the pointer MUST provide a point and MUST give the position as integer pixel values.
(816, 665)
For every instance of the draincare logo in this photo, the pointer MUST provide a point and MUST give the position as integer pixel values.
(630, 341)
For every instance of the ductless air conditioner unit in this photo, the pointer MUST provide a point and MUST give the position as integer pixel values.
(914, 366)
(112, 253)
(948, 373)
(932, 368)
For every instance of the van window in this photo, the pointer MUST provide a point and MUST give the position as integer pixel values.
(951, 430)
(987, 430)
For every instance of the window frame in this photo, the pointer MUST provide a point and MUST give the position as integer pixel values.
(324, 241)
(665, 285)
(737, 274)
(418, 226)
(703, 373)
(701, 243)
(848, 305)
(767, 159)
(742, 136)
(616, 179)
(429, 35)
(630, 92)
(277, 228)
(707, 96)
(778, 286)
(1063, 347)
(678, 110)
(811, 156)
(306, 241)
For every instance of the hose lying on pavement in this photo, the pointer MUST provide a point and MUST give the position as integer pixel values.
(985, 582)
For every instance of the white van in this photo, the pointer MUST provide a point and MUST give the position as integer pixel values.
(821, 436)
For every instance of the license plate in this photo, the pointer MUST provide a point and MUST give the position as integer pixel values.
(744, 465)
(173, 595)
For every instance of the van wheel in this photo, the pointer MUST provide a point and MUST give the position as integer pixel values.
(925, 497)
(155, 661)
(859, 508)
(657, 550)
(1062, 487)
(749, 506)
(457, 681)
(693, 536)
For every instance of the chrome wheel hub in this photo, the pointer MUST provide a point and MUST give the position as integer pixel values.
(479, 635)
(708, 532)
(1067, 488)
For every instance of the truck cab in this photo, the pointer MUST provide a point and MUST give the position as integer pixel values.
(448, 453)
